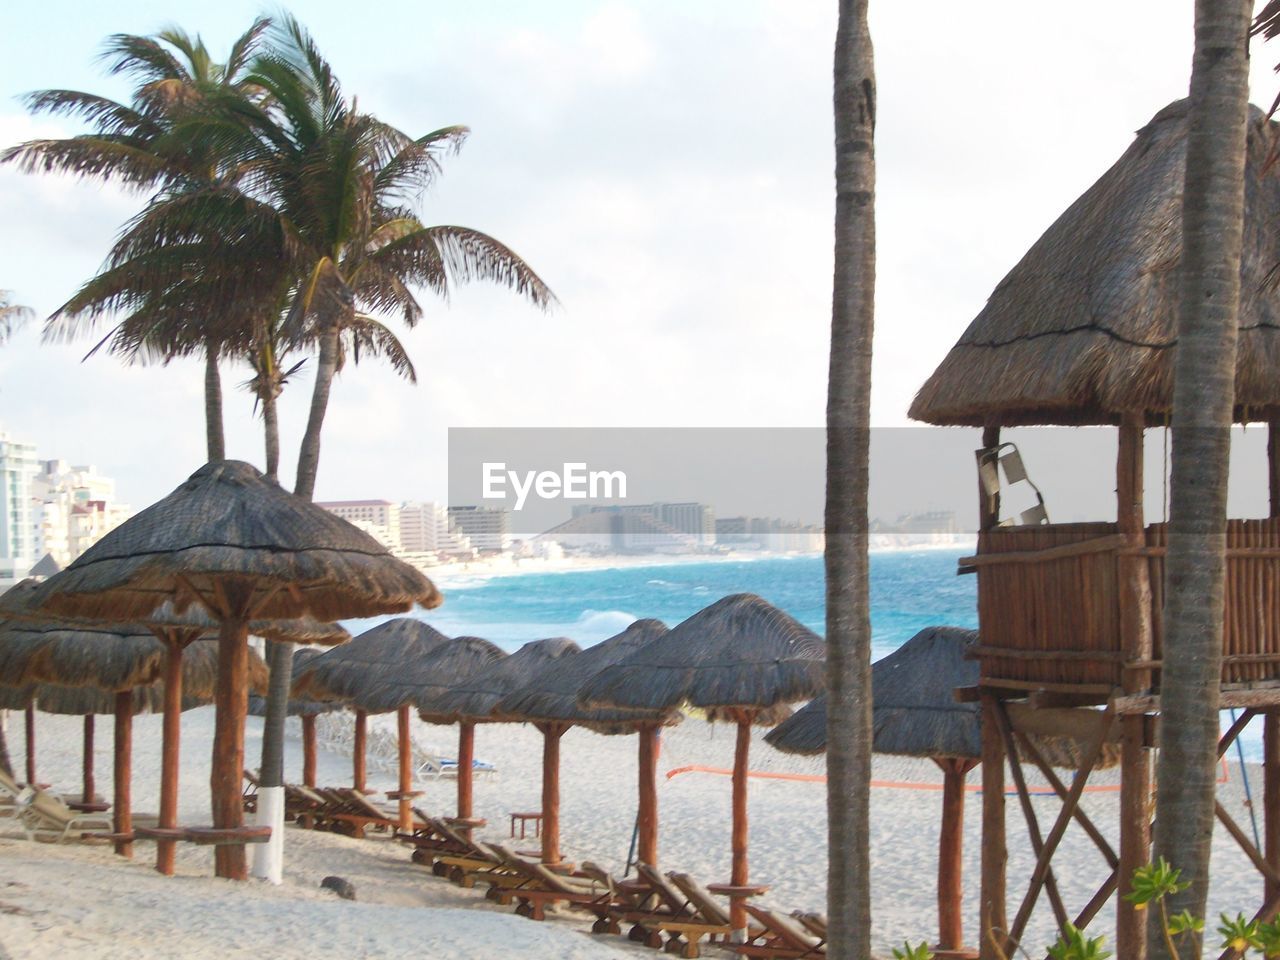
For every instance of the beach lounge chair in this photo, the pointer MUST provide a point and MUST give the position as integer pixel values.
(430, 765)
(479, 863)
(44, 816)
(708, 917)
(249, 796)
(815, 923)
(536, 887)
(779, 936)
(13, 795)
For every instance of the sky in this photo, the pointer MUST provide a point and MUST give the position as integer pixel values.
(666, 167)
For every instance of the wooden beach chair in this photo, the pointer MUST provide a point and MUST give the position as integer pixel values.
(779, 936)
(536, 887)
(479, 863)
(301, 803)
(249, 796)
(46, 817)
(815, 923)
(708, 918)
(13, 796)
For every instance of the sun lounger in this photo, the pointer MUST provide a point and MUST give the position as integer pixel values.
(13, 796)
(779, 936)
(815, 923)
(709, 918)
(536, 887)
(249, 796)
(44, 816)
(430, 765)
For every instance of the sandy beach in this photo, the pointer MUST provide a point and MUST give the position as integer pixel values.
(79, 900)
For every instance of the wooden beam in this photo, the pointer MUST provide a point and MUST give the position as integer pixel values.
(988, 506)
(359, 751)
(1031, 752)
(1250, 851)
(647, 809)
(992, 920)
(89, 788)
(231, 701)
(1271, 797)
(551, 734)
(1048, 881)
(466, 770)
(741, 764)
(309, 750)
(170, 755)
(122, 813)
(951, 853)
(404, 740)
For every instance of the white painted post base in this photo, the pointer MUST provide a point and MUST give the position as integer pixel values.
(268, 858)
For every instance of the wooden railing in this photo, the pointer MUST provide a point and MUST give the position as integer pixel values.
(1049, 603)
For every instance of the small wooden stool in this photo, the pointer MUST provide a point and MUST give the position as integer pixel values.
(525, 819)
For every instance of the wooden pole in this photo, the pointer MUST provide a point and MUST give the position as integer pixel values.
(466, 762)
(951, 854)
(988, 506)
(89, 791)
(1135, 632)
(647, 817)
(169, 754)
(992, 919)
(551, 734)
(1271, 720)
(358, 750)
(232, 701)
(309, 750)
(122, 816)
(739, 874)
(404, 741)
(29, 718)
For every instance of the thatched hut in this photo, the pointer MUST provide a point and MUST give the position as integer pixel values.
(469, 697)
(550, 702)
(741, 659)
(234, 542)
(1083, 331)
(371, 675)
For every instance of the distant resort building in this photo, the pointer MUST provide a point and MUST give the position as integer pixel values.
(380, 518)
(770, 534)
(18, 467)
(488, 528)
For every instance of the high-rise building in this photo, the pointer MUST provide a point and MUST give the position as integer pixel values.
(17, 469)
(488, 528)
(72, 508)
(382, 517)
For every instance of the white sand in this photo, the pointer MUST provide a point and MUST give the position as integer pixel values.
(81, 901)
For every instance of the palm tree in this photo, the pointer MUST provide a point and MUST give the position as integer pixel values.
(12, 317)
(1204, 395)
(343, 185)
(141, 145)
(848, 448)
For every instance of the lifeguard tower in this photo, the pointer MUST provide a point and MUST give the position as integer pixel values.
(1082, 332)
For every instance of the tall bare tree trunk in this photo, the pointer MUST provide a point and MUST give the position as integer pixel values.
(215, 441)
(309, 454)
(5, 763)
(1204, 392)
(848, 445)
(271, 432)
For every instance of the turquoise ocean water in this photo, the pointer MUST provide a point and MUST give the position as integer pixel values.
(909, 590)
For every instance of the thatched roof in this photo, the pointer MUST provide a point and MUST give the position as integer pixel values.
(473, 695)
(78, 654)
(228, 521)
(78, 701)
(1081, 329)
(740, 652)
(374, 671)
(438, 676)
(553, 694)
(915, 712)
(16, 698)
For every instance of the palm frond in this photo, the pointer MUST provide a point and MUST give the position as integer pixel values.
(12, 316)
(364, 335)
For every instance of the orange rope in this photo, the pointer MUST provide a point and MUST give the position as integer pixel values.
(889, 784)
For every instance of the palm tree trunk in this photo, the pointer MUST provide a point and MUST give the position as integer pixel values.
(848, 443)
(215, 441)
(271, 432)
(5, 763)
(1204, 392)
(309, 454)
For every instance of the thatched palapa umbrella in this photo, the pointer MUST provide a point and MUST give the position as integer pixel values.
(550, 702)
(469, 699)
(234, 542)
(740, 659)
(370, 675)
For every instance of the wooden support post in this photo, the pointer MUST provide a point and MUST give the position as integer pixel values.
(405, 742)
(951, 854)
(169, 752)
(647, 816)
(466, 769)
(29, 718)
(122, 814)
(309, 750)
(1136, 632)
(1271, 796)
(988, 506)
(89, 788)
(232, 700)
(992, 920)
(359, 748)
(551, 734)
(739, 874)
